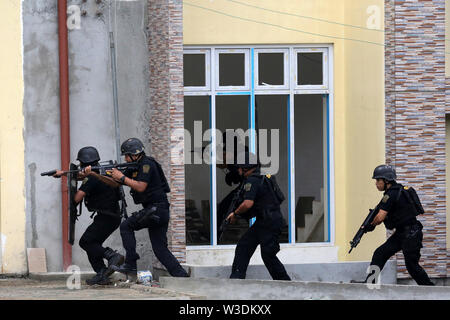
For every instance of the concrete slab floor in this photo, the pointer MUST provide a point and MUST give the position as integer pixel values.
(28, 289)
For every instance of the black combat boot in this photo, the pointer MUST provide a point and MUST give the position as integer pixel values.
(127, 268)
(99, 278)
(114, 260)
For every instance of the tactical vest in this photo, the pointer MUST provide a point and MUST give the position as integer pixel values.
(401, 212)
(105, 202)
(276, 197)
(159, 185)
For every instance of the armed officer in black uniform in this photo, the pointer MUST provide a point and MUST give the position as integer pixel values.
(148, 187)
(261, 198)
(103, 200)
(396, 211)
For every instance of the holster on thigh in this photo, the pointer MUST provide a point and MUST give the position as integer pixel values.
(145, 217)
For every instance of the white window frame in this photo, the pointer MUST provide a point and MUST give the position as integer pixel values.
(326, 88)
(286, 72)
(246, 53)
(300, 88)
(207, 54)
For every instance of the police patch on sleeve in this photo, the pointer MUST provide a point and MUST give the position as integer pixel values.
(385, 199)
(247, 186)
(146, 168)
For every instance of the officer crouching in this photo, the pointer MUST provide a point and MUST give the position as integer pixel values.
(397, 212)
(260, 200)
(103, 200)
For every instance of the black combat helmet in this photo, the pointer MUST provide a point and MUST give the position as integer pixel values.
(384, 172)
(250, 161)
(132, 146)
(88, 155)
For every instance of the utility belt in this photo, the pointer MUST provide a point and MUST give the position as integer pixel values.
(106, 213)
(162, 205)
(269, 213)
(410, 227)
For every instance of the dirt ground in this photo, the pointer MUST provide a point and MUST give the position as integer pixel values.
(26, 289)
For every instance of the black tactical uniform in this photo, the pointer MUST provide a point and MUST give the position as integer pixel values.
(104, 201)
(264, 232)
(408, 235)
(154, 216)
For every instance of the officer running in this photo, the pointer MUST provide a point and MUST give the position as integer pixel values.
(260, 200)
(104, 200)
(396, 211)
(148, 187)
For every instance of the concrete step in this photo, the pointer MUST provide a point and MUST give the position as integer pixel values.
(318, 272)
(234, 289)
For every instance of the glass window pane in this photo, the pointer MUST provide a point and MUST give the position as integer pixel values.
(271, 114)
(232, 114)
(309, 68)
(310, 193)
(194, 70)
(197, 176)
(271, 69)
(231, 69)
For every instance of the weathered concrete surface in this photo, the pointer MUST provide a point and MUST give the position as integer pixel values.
(91, 109)
(26, 289)
(233, 289)
(317, 272)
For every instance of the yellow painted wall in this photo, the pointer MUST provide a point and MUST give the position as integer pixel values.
(358, 84)
(12, 171)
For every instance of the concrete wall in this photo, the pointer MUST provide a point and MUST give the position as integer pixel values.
(91, 108)
(358, 85)
(12, 172)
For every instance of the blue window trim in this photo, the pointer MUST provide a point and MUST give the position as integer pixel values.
(252, 126)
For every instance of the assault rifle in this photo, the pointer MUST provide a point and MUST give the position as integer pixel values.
(73, 187)
(101, 168)
(365, 227)
(233, 206)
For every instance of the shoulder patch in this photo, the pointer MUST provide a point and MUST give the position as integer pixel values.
(247, 186)
(85, 180)
(146, 168)
(385, 198)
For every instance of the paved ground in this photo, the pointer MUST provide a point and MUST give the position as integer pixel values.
(26, 289)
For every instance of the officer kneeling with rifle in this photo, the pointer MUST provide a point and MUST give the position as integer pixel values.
(102, 199)
(397, 209)
(261, 197)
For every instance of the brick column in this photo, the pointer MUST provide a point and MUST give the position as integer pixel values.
(415, 115)
(165, 43)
